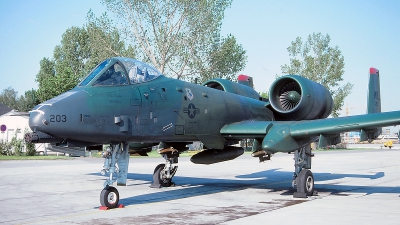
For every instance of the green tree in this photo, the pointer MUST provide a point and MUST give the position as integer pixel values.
(27, 101)
(264, 94)
(225, 60)
(105, 41)
(9, 98)
(317, 61)
(51, 83)
(181, 38)
(23, 103)
(81, 49)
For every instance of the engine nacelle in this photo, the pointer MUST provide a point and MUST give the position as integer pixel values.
(293, 97)
(232, 87)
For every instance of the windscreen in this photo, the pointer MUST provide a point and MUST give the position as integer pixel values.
(114, 75)
(139, 72)
(94, 72)
(120, 71)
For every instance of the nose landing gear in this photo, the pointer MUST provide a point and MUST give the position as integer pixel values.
(116, 163)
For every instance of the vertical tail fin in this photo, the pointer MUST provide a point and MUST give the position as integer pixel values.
(373, 104)
(245, 80)
(374, 92)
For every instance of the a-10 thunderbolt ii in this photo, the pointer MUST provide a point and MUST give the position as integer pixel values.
(131, 106)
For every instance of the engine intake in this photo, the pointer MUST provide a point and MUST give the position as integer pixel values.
(293, 97)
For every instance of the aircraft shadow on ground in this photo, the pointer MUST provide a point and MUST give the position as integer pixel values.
(273, 180)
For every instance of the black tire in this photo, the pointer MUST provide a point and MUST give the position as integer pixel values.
(159, 170)
(305, 182)
(109, 197)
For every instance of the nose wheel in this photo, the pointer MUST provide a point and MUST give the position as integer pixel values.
(116, 165)
(109, 197)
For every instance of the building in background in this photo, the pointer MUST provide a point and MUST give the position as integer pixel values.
(388, 134)
(16, 124)
(13, 124)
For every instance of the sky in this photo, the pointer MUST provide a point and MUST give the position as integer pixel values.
(366, 32)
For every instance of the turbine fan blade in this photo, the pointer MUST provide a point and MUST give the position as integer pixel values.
(285, 101)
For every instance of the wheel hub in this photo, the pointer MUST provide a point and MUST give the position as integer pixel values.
(309, 183)
(112, 198)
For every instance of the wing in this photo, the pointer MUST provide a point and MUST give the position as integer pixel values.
(287, 136)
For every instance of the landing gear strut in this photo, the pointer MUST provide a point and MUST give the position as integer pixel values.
(303, 179)
(116, 164)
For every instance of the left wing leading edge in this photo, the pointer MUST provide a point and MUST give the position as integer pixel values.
(287, 136)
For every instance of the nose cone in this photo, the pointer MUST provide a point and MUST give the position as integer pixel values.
(39, 125)
(37, 119)
(53, 116)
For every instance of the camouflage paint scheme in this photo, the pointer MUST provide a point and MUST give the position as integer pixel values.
(129, 102)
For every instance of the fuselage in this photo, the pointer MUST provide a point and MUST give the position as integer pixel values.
(163, 109)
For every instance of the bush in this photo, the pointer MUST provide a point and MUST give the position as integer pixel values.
(30, 149)
(5, 148)
(16, 146)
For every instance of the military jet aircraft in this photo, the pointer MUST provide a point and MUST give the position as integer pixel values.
(130, 106)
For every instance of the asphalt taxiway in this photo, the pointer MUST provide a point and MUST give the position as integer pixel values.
(354, 187)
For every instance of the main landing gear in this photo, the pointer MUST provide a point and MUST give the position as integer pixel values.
(303, 179)
(116, 165)
(163, 173)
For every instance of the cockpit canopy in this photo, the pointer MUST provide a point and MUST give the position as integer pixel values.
(120, 71)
